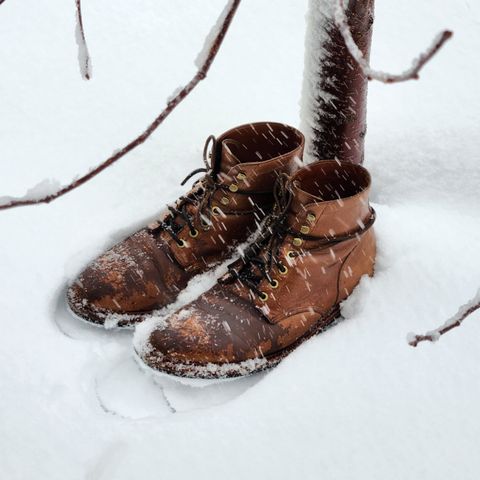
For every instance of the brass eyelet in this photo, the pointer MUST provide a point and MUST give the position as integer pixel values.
(274, 283)
(233, 187)
(224, 200)
(263, 296)
(291, 254)
(311, 217)
(241, 176)
(304, 229)
(216, 211)
(193, 233)
(182, 244)
(297, 241)
(283, 270)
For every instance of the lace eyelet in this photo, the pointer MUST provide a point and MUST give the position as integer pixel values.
(233, 187)
(193, 233)
(241, 176)
(182, 244)
(311, 217)
(225, 201)
(283, 270)
(291, 254)
(263, 296)
(274, 284)
(216, 211)
(297, 241)
(304, 229)
(204, 224)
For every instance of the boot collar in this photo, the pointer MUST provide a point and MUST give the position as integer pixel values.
(250, 154)
(329, 199)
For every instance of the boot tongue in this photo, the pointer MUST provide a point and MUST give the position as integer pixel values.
(228, 158)
(300, 198)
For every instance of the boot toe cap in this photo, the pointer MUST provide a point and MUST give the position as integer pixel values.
(122, 281)
(218, 329)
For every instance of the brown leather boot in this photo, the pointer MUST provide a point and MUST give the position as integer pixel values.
(316, 246)
(146, 271)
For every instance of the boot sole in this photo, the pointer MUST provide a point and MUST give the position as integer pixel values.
(88, 321)
(100, 319)
(241, 369)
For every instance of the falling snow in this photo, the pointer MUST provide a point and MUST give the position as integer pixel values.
(354, 401)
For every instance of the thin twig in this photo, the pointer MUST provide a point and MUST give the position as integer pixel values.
(454, 322)
(411, 73)
(171, 105)
(83, 55)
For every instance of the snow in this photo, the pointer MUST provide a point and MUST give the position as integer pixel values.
(354, 402)
(319, 20)
(40, 190)
(209, 40)
(84, 60)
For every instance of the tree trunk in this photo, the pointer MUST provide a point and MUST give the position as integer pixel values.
(334, 97)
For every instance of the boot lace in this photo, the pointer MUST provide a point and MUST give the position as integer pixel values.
(200, 197)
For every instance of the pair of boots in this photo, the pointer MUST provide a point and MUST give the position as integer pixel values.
(313, 243)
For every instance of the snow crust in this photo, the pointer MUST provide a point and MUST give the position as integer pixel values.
(355, 402)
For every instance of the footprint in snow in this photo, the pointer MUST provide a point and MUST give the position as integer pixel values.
(122, 388)
(126, 390)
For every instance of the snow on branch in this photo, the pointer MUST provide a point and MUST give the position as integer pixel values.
(83, 56)
(179, 95)
(411, 73)
(453, 322)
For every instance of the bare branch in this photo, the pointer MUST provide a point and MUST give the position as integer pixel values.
(411, 73)
(217, 40)
(83, 55)
(454, 322)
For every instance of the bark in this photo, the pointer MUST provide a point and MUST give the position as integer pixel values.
(334, 100)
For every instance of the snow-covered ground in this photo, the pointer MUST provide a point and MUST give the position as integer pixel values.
(355, 402)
